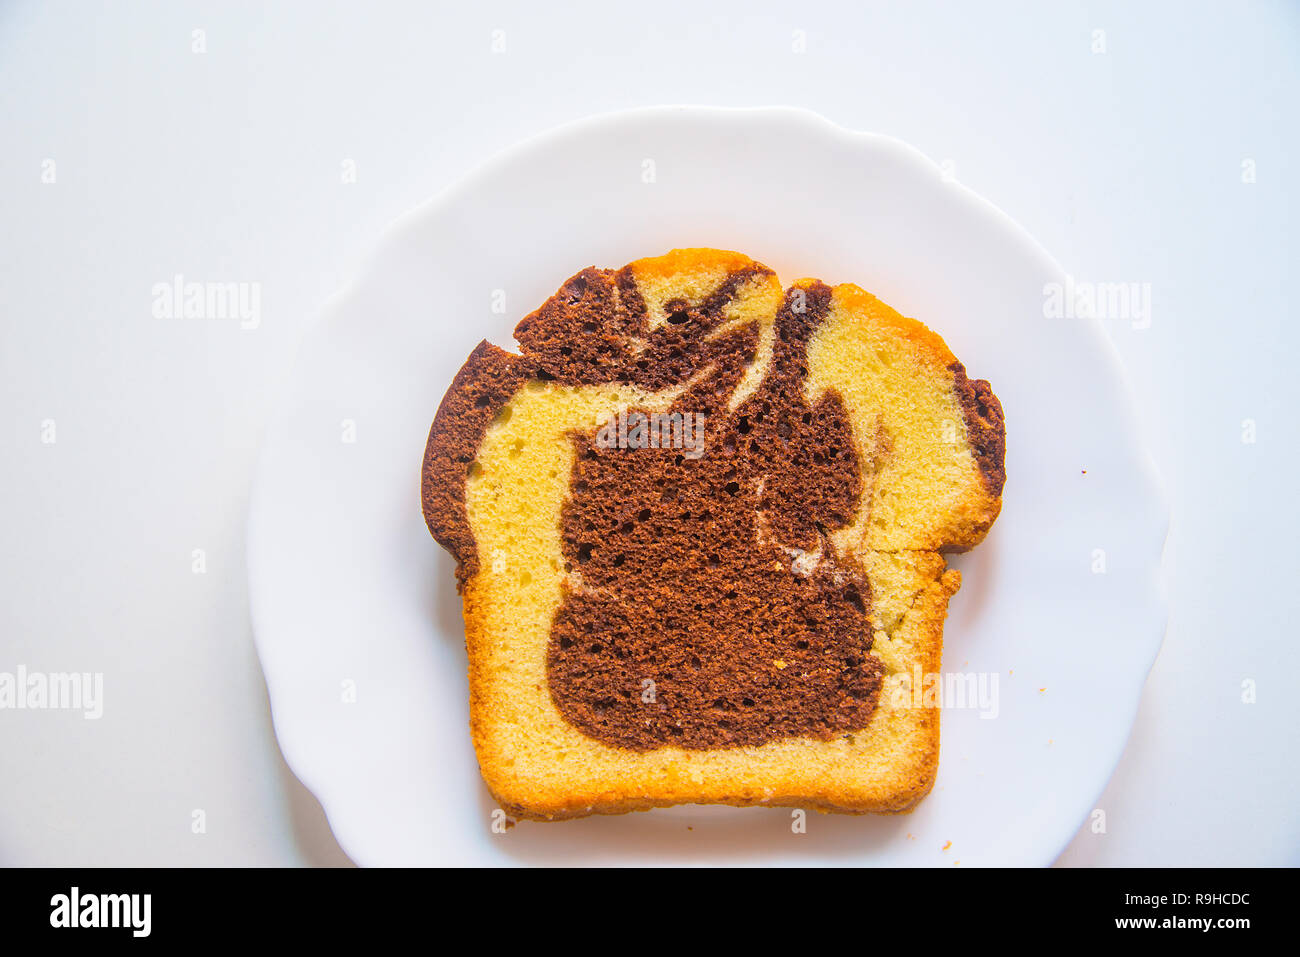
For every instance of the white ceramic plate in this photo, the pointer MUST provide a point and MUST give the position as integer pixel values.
(350, 592)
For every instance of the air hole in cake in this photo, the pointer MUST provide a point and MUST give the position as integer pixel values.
(679, 317)
(584, 553)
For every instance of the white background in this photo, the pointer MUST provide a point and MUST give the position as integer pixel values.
(226, 165)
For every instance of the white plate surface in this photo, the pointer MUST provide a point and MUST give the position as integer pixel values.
(349, 591)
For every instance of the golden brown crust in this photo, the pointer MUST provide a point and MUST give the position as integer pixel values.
(984, 421)
(485, 383)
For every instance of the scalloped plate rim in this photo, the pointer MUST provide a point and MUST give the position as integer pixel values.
(296, 754)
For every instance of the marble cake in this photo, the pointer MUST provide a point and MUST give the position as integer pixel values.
(700, 523)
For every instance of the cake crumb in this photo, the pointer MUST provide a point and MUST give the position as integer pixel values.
(946, 846)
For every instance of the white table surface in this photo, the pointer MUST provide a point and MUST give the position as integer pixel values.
(228, 165)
